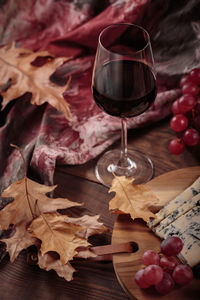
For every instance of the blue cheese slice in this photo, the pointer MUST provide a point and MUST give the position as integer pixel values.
(178, 201)
(187, 227)
(187, 205)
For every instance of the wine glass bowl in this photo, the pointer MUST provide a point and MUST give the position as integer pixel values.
(124, 86)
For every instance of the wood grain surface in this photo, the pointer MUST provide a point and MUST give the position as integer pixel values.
(94, 280)
(166, 187)
(170, 184)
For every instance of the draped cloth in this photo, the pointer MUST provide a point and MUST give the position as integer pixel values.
(70, 28)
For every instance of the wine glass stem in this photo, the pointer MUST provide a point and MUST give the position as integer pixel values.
(123, 161)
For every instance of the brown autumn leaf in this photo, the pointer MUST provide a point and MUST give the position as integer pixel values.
(51, 261)
(90, 225)
(19, 241)
(57, 235)
(30, 201)
(57, 238)
(132, 199)
(15, 65)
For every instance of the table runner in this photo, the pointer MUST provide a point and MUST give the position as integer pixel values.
(71, 28)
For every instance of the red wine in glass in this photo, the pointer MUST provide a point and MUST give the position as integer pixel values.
(126, 95)
(124, 86)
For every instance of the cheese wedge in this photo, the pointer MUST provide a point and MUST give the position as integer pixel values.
(178, 201)
(194, 201)
(187, 227)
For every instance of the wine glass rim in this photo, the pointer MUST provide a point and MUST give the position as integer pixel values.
(130, 24)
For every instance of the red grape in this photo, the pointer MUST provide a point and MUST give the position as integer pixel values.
(168, 262)
(171, 246)
(179, 122)
(166, 284)
(191, 137)
(153, 274)
(190, 88)
(186, 103)
(139, 279)
(176, 146)
(182, 274)
(194, 75)
(150, 257)
(185, 79)
(175, 107)
(169, 272)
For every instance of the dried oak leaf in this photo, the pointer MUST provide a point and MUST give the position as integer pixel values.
(51, 261)
(15, 66)
(30, 200)
(90, 225)
(132, 199)
(57, 235)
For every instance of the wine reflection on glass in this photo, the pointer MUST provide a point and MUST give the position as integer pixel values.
(124, 86)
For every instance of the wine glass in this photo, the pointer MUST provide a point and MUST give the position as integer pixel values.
(124, 86)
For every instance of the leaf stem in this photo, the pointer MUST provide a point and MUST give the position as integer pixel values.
(25, 179)
(124, 190)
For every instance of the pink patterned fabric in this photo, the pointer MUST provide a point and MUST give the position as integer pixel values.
(71, 28)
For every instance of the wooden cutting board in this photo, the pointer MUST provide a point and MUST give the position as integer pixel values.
(166, 187)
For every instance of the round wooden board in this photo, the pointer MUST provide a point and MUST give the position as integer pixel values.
(166, 187)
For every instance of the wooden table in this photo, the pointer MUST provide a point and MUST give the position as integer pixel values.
(94, 280)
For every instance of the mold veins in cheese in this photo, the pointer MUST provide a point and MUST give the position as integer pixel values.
(187, 205)
(181, 217)
(181, 199)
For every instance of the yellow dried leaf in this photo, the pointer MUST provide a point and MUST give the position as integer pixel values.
(30, 201)
(36, 221)
(90, 225)
(51, 261)
(19, 241)
(132, 199)
(57, 235)
(15, 65)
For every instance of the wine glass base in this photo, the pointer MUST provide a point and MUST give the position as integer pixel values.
(140, 167)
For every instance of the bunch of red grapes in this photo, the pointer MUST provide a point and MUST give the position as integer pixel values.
(186, 113)
(163, 271)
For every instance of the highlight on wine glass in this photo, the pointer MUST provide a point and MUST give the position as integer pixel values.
(124, 86)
